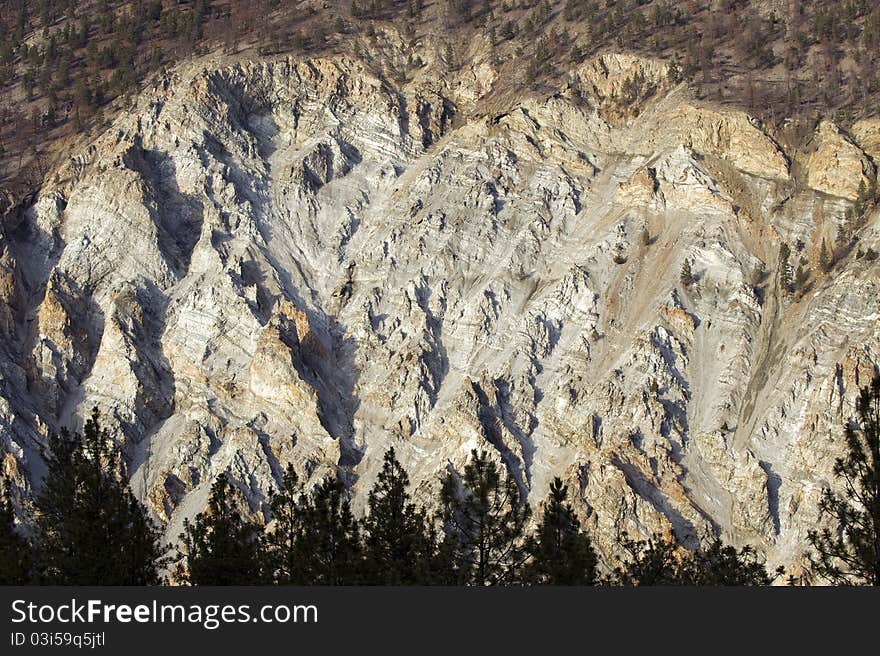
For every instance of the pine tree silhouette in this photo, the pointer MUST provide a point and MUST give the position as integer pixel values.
(849, 553)
(561, 553)
(282, 563)
(15, 565)
(654, 561)
(484, 520)
(328, 549)
(721, 564)
(220, 547)
(661, 561)
(90, 529)
(398, 544)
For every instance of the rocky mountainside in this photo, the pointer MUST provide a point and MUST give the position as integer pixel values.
(302, 260)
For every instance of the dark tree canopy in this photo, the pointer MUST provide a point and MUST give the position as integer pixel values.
(328, 550)
(90, 529)
(484, 520)
(398, 543)
(848, 552)
(661, 561)
(654, 561)
(561, 553)
(15, 565)
(716, 563)
(220, 547)
(282, 565)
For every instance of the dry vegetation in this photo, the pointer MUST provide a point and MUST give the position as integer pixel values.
(67, 65)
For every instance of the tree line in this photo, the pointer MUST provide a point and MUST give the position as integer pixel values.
(90, 529)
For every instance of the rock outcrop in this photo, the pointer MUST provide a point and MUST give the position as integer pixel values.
(838, 167)
(866, 133)
(300, 261)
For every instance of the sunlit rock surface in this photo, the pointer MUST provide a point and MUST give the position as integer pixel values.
(301, 261)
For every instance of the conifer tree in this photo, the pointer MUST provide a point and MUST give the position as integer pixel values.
(687, 275)
(328, 548)
(280, 542)
(90, 529)
(859, 207)
(660, 561)
(848, 552)
(220, 547)
(14, 548)
(561, 553)
(784, 267)
(483, 519)
(844, 232)
(398, 544)
(721, 564)
(654, 561)
(824, 257)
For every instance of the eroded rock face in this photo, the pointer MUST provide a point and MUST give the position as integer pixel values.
(838, 167)
(295, 261)
(866, 133)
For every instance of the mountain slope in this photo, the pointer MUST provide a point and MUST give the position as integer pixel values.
(300, 260)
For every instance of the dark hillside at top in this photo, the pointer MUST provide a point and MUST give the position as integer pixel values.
(67, 65)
